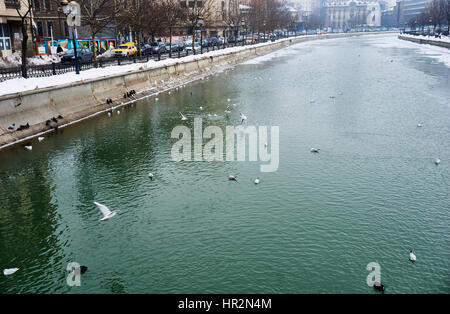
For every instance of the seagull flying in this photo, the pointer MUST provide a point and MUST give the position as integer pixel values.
(29, 147)
(228, 110)
(40, 138)
(105, 211)
(243, 117)
(183, 117)
(9, 271)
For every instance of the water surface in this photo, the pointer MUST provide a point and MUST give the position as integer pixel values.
(370, 195)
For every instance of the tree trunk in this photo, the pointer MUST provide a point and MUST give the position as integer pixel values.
(193, 38)
(94, 49)
(170, 41)
(138, 34)
(24, 48)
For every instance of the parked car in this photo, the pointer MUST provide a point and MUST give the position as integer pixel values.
(181, 45)
(196, 47)
(158, 48)
(146, 49)
(83, 54)
(232, 40)
(213, 41)
(125, 50)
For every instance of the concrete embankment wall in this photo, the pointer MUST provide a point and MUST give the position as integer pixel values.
(426, 41)
(82, 99)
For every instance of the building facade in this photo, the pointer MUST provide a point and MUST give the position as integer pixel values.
(345, 15)
(50, 21)
(10, 26)
(411, 8)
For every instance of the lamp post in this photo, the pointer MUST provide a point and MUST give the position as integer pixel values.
(264, 25)
(72, 11)
(243, 26)
(200, 24)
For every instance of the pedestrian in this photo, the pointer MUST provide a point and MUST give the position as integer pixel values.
(59, 49)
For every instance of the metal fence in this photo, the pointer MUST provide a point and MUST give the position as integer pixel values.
(65, 67)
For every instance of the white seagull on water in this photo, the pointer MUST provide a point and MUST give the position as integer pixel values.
(231, 177)
(412, 257)
(29, 147)
(105, 211)
(256, 180)
(315, 150)
(437, 161)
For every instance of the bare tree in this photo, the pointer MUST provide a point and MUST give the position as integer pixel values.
(98, 14)
(445, 7)
(154, 24)
(172, 14)
(233, 16)
(24, 14)
(195, 9)
(314, 19)
(277, 15)
(133, 14)
(436, 13)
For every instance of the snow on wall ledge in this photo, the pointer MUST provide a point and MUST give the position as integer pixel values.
(77, 97)
(443, 42)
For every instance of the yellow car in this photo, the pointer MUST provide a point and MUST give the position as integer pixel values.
(125, 50)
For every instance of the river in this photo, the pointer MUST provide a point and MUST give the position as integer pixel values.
(371, 194)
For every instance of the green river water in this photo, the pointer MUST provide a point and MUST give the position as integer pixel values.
(372, 193)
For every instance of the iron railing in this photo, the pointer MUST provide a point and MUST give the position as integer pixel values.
(65, 67)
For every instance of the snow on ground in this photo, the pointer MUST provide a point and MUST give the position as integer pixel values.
(107, 54)
(21, 84)
(439, 53)
(442, 39)
(15, 60)
(289, 51)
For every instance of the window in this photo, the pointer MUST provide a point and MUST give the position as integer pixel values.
(199, 4)
(49, 28)
(37, 5)
(5, 41)
(40, 29)
(191, 4)
(48, 5)
(183, 4)
(12, 4)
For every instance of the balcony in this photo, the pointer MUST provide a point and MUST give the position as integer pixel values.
(12, 4)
